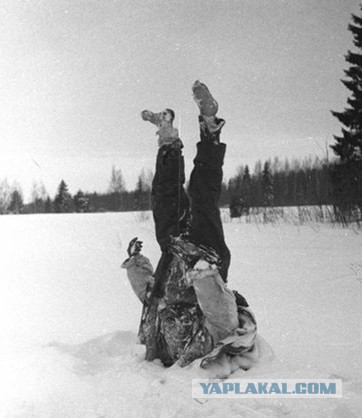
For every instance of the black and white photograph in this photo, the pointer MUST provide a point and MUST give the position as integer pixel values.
(180, 208)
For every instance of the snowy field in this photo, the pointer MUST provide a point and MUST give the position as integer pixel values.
(68, 319)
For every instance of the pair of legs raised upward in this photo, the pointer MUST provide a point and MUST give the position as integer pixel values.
(174, 213)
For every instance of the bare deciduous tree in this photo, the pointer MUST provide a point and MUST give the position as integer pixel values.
(38, 196)
(116, 186)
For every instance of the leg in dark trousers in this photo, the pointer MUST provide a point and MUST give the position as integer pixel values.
(170, 206)
(205, 188)
(169, 201)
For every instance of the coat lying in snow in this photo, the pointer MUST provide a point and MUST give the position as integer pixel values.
(197, 317)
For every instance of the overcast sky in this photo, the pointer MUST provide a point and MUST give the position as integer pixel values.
(74, 76)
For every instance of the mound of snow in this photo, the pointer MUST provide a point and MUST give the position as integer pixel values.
(108, 377)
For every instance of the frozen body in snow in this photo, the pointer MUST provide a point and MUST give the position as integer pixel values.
(189, 312)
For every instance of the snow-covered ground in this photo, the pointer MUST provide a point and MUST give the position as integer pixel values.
(68, 319)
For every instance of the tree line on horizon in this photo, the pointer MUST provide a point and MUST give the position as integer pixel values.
(276, 184)
(272, 183)
(117, 198)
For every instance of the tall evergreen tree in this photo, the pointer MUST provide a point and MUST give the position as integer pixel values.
(347, 177)
(257, 184)
(142, 194)
(63, 199)
(267, 186)
(16, 201)
(246, 188)
(349, 146)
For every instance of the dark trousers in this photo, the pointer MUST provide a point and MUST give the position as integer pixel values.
(170, 204)
(171, 207)
(205, 189)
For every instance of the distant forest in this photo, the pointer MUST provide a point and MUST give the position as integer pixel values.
(272, 183)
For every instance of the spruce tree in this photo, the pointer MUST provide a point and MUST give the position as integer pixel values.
(246, 189)
(16, 201)
(63, 199)
(267, 186)
(347, 176)
(235, 192)
(349, 146)
(140, 194)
